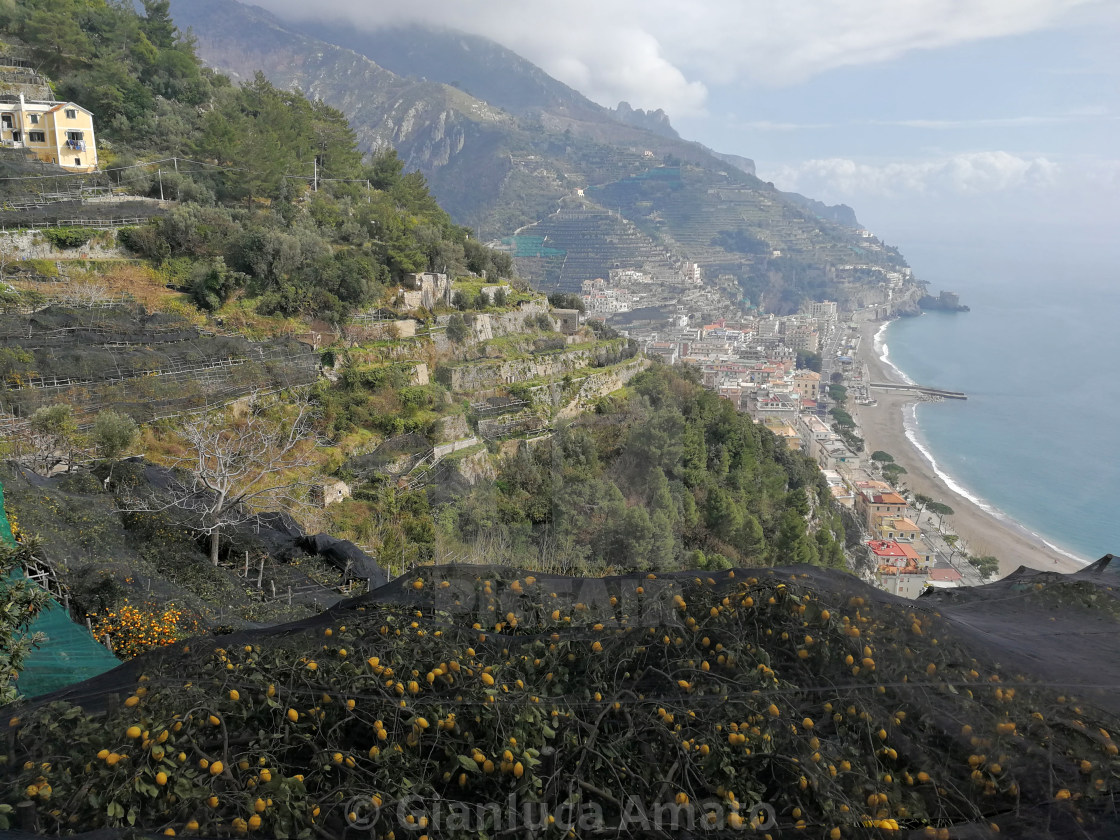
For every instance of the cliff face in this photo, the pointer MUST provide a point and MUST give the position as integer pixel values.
(908, 304)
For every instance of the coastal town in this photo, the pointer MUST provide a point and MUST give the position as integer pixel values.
(797, 375)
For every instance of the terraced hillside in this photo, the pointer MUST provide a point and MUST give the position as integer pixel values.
(738, 226)
(582, 241)
(119, 357)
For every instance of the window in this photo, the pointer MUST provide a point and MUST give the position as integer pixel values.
(34, 118)
(6, 120)
(71, 113)
(77, 161)
(15, 136)
(37, 136)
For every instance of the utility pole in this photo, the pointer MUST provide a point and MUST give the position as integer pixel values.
(160, 173)
(315, 174)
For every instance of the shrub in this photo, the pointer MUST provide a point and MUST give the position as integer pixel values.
(68, 237)
(457, 329)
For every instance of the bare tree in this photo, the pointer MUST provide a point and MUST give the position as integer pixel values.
(53, 436)
(238, 464)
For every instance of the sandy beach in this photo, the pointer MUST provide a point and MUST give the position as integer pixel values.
(985, 533)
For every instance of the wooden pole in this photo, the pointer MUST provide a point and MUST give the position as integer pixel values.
(260, 574)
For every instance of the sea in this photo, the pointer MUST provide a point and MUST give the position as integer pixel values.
(1038, 440)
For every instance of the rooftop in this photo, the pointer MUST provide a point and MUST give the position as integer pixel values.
(889, 499)
(892, 550)
(944, 575)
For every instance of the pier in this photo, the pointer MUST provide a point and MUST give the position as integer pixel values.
(920, 389)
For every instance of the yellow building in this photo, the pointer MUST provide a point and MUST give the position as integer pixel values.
(55, 132)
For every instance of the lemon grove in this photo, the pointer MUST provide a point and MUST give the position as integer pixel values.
(848, 712)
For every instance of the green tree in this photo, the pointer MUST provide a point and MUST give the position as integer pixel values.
(457, 329)
(892, 472)
(20, 602)
(57, 28)
(986, 565)
(793, 545)
(663, 543)
(941, 509)
(808, 360)
(922, 501)
(112, 435)
(751, 540)
(157, 24)
(882, 457)
(566, 300)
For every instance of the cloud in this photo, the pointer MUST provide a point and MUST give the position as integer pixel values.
(1027, 121)
(662, 54)
(972, 173)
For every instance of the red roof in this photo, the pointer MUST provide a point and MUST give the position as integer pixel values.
(944, 574)
(889, 499)
(893, 551)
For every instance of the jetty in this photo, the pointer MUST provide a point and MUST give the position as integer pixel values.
(920, 389)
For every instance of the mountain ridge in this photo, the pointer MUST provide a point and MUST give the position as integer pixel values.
(500, 169)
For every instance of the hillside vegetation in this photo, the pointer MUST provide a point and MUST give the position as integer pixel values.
(665, 475)
(274, 198)
(289, 255)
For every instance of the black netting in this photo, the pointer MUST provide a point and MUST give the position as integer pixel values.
(148, 365)
(106, 556)
(837, 709)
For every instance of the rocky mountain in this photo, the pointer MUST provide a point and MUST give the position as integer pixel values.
(656, 121)
(738, 161)
(502, 144)
(841, 214)
(478, 66)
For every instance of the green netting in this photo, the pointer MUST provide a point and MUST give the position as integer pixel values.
(531, 246)
(69, 655)
(5, 527)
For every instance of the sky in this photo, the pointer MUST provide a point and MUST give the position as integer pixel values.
(969, 114)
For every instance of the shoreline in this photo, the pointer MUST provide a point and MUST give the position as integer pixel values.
(986, 532)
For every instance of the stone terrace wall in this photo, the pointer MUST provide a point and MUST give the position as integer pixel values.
(486, 375)
(598, 385)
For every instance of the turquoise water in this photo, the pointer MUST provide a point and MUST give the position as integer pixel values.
(1038, 439)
